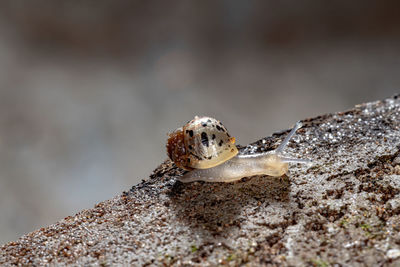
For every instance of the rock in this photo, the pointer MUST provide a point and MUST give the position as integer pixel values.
(393, 254)
(341, 210)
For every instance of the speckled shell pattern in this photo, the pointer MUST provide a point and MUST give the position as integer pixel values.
(207, 143)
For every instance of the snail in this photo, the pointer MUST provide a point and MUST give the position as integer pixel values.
(204, 147)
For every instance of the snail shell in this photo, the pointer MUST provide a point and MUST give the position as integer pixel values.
(202, 143)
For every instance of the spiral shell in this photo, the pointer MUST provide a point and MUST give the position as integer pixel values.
(202, 143)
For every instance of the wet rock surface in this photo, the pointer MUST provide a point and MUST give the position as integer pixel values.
(343, 210)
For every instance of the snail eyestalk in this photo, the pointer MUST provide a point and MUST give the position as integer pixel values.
(285, 142)
(292, 160)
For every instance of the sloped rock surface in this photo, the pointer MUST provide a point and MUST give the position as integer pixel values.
(344, 209)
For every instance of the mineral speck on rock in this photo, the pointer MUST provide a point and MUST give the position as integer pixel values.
(393, 254)
(343, 210)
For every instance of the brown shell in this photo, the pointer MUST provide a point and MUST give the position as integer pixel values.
(176, 149)
(202, 143)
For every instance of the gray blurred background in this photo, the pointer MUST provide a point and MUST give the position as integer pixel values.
(89, 89)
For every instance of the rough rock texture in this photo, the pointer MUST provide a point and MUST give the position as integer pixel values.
(343, 210)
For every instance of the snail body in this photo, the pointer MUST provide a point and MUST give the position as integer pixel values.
(231, 166)
(239, 167)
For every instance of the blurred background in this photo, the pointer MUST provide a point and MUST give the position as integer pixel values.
(89, 89)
